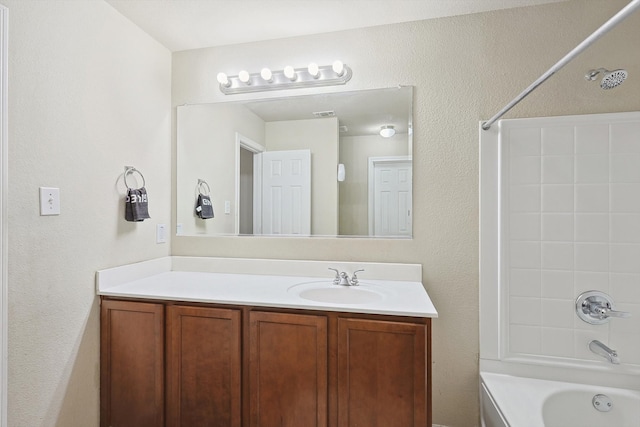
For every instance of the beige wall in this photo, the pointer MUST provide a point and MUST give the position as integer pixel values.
(355, 152)
(464, 69)
(321, 137)
(88, 94)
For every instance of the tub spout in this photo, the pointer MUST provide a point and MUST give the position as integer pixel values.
(602, 350)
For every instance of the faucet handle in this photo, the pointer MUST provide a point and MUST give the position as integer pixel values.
(336, 280)
(605, 311)
(354, 279)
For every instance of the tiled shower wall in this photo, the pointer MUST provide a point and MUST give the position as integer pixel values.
(570, 223)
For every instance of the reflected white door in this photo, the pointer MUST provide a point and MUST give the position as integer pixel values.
(286, 192)
(392, 201)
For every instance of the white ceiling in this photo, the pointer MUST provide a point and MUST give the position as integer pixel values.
(192, 24)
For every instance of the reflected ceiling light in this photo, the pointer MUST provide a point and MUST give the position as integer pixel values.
(266, 75)
(244, 77)
(289, 78)
(387, 131)
(290, 73)
(223, 80)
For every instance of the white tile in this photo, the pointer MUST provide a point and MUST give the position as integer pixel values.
(590, 281)
(525, 339)
(557, 227)
(625, 228)
(592, 169)
(592, 257)
(557, 140)
(557, 284)
(592, 227)
(625, 168)
(524, 311)
(525, 170)
(584, 336)
(557, 169)
(557, 198)
(625, 138)
(592, 139)
(625, 258)
(625, 287)
(627, 346)
(524, 226)
(557, 256)
(524, 198)
(524, 254)
(558, 313)
(524, 283)
(524, 142)
(625, 198)
(557, 342)
(592, 198)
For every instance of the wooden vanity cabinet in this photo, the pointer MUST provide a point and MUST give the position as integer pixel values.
(203, 367)
(287, 370)
(382, 378)
(131, 364)
(258, 367)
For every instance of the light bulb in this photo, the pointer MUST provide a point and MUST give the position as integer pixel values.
(290, 73)
(266, 74)
(338, 68)
(223, 79)
(387, 131)
(314, 70)
(244, 77)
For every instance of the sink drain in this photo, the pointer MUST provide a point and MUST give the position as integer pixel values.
(602, 402)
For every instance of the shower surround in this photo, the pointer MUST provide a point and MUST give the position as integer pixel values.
(560, 215)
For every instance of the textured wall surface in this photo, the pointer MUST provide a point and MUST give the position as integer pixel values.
(464, 69)
(88, 94)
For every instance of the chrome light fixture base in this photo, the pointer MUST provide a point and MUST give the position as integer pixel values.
(279, 81)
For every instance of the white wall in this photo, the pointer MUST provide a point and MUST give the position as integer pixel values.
(464, 69)
(88, 94)
(207, 151)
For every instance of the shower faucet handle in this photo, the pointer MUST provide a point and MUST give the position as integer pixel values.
(595, 308)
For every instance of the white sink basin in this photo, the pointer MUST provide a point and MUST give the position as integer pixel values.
(336, 294)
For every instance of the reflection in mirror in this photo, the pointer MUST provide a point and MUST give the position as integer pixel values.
(314, 165)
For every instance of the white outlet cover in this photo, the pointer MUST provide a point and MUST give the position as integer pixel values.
(49, 201)
(161, 233)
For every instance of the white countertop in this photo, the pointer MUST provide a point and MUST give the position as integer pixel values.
(162, 280)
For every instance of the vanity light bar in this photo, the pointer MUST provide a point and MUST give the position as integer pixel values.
(289, 78)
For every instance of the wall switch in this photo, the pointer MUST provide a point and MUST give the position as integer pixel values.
(227, 207)
(179, 229)
(161, 233)
(49, 201)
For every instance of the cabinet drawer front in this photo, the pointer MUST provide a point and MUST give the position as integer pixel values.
(203, 367)
(381, 373)
(287, 370)
(132, 363)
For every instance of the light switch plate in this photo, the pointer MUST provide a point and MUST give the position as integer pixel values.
(227, 207)
(49, 201)
(161, 233)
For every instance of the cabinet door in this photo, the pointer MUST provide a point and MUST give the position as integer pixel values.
(132, 364)
(287, 370)
(203, 367)
(381, 374)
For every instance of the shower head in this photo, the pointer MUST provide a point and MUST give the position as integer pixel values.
(610, 80)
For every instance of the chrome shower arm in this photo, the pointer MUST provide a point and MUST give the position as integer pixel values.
(625, 12)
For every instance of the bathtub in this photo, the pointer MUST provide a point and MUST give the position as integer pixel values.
(511, 401)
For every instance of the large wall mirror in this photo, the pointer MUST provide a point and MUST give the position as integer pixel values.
(316, 165)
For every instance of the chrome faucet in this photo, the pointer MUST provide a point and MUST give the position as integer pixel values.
(602, 350)
(342, 278)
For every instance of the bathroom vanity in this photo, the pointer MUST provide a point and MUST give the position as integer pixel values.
(198, 341)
